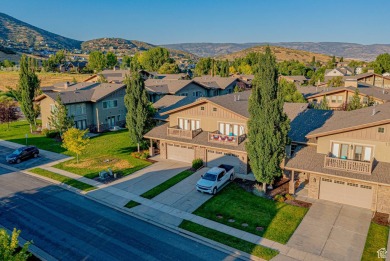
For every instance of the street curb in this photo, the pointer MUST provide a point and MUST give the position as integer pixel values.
(33, 249)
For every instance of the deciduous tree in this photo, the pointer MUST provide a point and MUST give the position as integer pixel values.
(111, 60)
(97, 61)
(9, 246)
(59, 118)
(75, 141)
(268, 125)
(169, 68)
(8, 110)
(355, 102)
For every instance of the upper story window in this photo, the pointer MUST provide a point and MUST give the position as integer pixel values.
(110, 104)
(77, 109)
(188, 124)
(197, 94)
(351, 151)
(339, 99)
(184, 94)
(231, 129)
(202, 108)
(52, 107)
(381, 130)
(334, 99)
(214, 109)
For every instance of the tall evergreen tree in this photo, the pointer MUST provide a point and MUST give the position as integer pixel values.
(27, 90)
(136, 102)
(268, 125)
(355, 103)
(59, 118)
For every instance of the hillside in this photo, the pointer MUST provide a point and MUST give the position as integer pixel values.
(346, 50)
(122, 46)
(21, 36)
(281, 54)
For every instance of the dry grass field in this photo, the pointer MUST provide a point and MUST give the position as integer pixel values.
(281, 53)
(47, 79)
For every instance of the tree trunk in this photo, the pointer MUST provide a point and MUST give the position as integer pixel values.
(30, 128)
(138, 147)
(264, 187)
(77, 158)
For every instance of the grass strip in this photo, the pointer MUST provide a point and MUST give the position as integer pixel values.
(132, 204)
(167, 184)
(68, 181)
(376, 239)
(240, 244)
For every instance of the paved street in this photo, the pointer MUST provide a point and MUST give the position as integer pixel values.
(72, 227)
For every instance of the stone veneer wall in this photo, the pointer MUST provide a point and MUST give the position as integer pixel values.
(243, 163)
(163, 150)
(200, 153)
(314, 186)
(383, 203)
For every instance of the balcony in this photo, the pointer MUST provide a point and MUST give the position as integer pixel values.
(216, 137)
(363, 167)
(181, 133)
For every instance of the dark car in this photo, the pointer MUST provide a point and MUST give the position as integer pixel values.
(22, 153)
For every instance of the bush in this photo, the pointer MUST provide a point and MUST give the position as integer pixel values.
(197, 163)
(140, 155)
(50, 134)
(144, 155)
(289, 197)
(279, 198)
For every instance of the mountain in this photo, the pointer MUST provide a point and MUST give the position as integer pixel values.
(122, 46)
(281, 54)
(346, 50)
(21, 36)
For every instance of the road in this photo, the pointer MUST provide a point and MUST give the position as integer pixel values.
(71, 227)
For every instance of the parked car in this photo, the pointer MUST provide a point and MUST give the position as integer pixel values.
(215, 178)
(22, 153)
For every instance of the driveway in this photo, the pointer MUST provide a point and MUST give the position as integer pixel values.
(334, 231)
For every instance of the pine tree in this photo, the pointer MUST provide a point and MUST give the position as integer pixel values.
(323, 104)
(26, 92)
(268, 125)
(59, 119)
(355, 103)
(136, 102)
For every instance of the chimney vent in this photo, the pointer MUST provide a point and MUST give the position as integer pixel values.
(373, 111)
(235, 98)
(66, 85)
(238, 97)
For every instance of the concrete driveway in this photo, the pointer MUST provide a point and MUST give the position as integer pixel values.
(334, 231)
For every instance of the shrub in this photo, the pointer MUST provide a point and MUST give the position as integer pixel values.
(50, 134)
(197, 163)
(279, 198)
(289, 197)
(45, 132)
(144, 155)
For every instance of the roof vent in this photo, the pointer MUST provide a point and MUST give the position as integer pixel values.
(235, 99)
(238, 97)
(66, 85)
(373, 111)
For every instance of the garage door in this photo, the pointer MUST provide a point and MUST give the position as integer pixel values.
(180, 153)
(216, 158)
(349, 193)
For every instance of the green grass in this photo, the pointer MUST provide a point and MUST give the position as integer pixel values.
(167, 184)
(279, 220)
(17, 131)
(376, 239)
(68, 181)
(240, 244)
(132, 204)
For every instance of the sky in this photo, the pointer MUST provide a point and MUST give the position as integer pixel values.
(217, 21)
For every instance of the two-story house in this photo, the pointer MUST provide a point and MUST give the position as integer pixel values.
(347, 159)
(218, 85)
(97, 106)
(337, 72)
(213, 129)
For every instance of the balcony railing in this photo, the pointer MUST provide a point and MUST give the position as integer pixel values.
(363, 167)
(215, 136)
(181, 133)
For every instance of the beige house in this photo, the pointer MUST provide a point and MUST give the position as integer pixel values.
(96, 106)
(218, 85)
(347, 159)
(212, 129)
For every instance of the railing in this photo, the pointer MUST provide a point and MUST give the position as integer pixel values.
(187, 134)
(215, 136)
(364, 167)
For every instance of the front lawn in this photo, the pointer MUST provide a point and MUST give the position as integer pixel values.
(376, 239)
(68, 181)
(273, 220)
(108, 150)
(240, 244)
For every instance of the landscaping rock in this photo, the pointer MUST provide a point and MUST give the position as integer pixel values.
(219, 216)
(244, 225)
(231, 220)
(259, 228)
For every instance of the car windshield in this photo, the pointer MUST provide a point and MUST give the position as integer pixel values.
(210, 177)
(17, 152)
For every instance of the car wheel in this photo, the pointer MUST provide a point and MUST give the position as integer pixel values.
(18, 161)
(35, 155)
(231, 177)
(214, 191)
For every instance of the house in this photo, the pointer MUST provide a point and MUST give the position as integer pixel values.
(213, 129)
(373, 79)
(299, 79)
(217, 85)
(346, 159)
(244, 81)
(337, 72)
(157, 88)
(73, 66)
(168, 103)
(115, 75)
(96, 106)
(339, 97)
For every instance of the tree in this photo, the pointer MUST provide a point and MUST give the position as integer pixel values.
(111, 60)
(8, 110)
(323, 105)
(224, 69)
(126, 60)
(27, 90)
(96, 61)
(59, 119)
(355, 103)
(75, 141)
(136, 102)
(268, 125)
(382, 63)
(341, 59)
(7, 63)
(336, 81)
(203, 66)
(154, 58)
(289, 92)
(9, 246)
(169, 68)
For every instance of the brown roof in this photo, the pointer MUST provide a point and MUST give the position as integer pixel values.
(342, 121)
(307, 159)
(170, 102)
(167, 86)
(215, 81)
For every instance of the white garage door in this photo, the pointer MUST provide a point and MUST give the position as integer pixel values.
(349, 193)
(216, 158)
(180, 153)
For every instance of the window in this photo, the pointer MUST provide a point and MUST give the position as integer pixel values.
(110, 104)
(365, 187)
(184, 94)
(214, 109)
(326, 180)
(119, 117)
(52, 107)
(365, 100)
(339, 99)
(339, 182)
(231, 129)
(202, 108)
(197, 94)
(334, 99)
(189, 124)
(362, 153)
(381, 130)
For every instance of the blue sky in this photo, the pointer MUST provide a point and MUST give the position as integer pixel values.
(239, 21)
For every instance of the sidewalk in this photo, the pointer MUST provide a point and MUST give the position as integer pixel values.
(171, 216)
